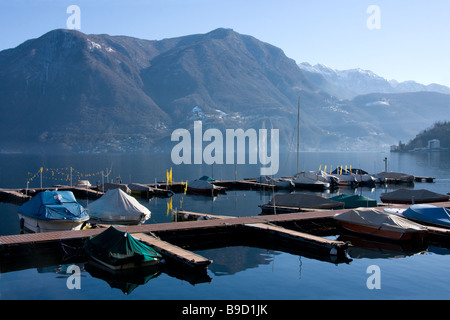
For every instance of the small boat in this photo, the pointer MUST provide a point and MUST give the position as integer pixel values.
(411, 196)
(346, 177)
(278, 183)
(117, 207)
(301, 181)
(363, 178)
(355, 201)
(203, 186)
(323, 176)
(140, 190)
(377, 223)
(295, 202)
(52, 211)
(394, 177)
(425, 213)
(119, 250)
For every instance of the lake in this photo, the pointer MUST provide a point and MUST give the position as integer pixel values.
(237, 272)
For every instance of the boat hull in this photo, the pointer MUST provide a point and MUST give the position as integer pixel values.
(37, 226)
(396, 235)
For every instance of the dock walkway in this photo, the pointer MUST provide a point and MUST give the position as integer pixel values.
(171, 251)
(20, 245)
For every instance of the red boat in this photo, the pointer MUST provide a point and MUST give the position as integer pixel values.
(374, 222)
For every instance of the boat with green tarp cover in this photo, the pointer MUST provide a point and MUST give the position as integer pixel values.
(119, 250)
(355, 201)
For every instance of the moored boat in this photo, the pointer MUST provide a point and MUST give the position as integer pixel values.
(301, 181)
(280, 183)
(117, 207)
(52, 211)
(203, 186)
(295, 202)
(118, 250)
(411, 196)
(355, 201)
(345, 177)
(425, 213)
(363, 178)
(394, 177)
(377, 223)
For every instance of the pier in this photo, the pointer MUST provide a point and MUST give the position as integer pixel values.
(302, 233)
(167, 237)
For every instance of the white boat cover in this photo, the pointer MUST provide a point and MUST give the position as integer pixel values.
(378, 219)
(200, 184)
(117, 206)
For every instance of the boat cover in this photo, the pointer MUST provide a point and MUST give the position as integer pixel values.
(302, 200)
(117, 204)
(377, 219)
(428, 213)
(117, 247)
(139, 187)
(54, 205)
(355, 201)
(206, 178)
(395, 175)
(200, 184)
(412, 196)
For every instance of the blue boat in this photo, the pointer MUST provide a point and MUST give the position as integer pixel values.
(52, 211)
(429, 214)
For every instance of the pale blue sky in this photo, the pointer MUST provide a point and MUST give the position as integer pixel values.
(412, 44)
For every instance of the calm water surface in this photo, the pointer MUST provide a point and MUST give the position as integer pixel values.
(237, 272)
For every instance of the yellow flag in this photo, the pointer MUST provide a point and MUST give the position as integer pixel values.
(169, 206)
(185, 188)
(170, 176)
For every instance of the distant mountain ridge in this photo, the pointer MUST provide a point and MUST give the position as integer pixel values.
(347, 84)
(73, 92)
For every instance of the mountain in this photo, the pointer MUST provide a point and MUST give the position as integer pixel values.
(347, 84)
(73, 92)
(70, 91)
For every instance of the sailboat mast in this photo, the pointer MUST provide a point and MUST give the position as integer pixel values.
(298, 133)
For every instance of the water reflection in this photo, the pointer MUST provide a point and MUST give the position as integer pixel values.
(124, 280)
(376, 249)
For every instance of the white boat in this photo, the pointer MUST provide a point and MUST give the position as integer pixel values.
(322, 176)
(280, 183)
(346, 177)
(117, 207)
(303, 182)
(203, 186)
(363, 178)
(52, 211)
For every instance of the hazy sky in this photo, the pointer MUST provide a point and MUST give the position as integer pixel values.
(411, 40)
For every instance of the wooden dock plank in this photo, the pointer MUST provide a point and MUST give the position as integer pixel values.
(174, 252)
(303, 237)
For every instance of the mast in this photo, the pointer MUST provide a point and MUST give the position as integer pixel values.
(298, 133)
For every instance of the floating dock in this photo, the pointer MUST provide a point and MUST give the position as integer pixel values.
(24, 246)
